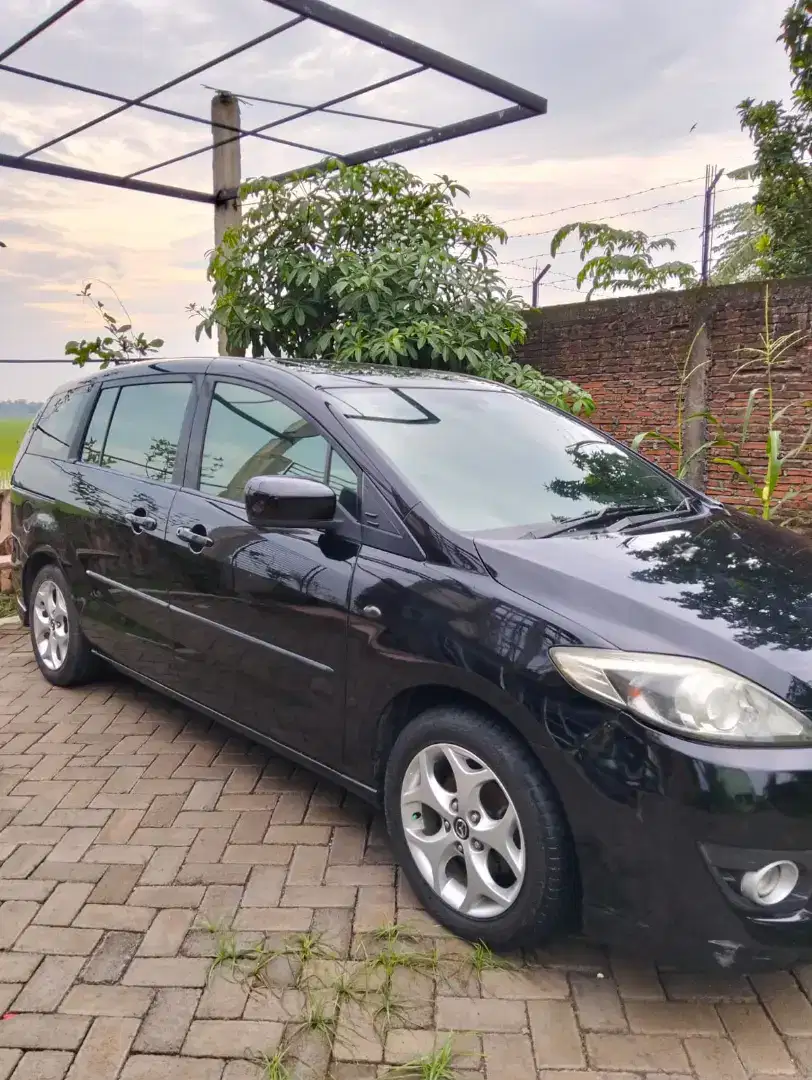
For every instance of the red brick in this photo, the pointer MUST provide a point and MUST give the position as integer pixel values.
(598, 344)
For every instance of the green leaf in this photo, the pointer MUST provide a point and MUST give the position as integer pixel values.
(658, 435)
(773, 463)
(748, 415)
(738, 468)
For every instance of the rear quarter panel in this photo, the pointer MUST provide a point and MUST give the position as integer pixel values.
(44, 521)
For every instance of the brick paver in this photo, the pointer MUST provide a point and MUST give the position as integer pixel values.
(156, 873)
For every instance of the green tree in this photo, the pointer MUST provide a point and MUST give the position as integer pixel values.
(737, 229)
(370, 264)
(782, 137)
(618, 259)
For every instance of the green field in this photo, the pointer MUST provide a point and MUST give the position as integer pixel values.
(11, 432)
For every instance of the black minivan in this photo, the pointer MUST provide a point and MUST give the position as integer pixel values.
(581, 691)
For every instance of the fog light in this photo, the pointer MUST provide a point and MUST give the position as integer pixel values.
(771, 884)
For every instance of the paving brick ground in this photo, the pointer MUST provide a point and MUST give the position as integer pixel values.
(130, 827)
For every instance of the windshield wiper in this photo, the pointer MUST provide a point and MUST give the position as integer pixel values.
(610, 515)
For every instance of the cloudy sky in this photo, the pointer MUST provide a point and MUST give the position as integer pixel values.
(626, 80)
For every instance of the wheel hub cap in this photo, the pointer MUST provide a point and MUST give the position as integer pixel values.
(463, 830)
(50, 623)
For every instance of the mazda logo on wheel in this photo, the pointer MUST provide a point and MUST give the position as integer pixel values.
(461, 829)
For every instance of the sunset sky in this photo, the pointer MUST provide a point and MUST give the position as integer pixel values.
(626, 81)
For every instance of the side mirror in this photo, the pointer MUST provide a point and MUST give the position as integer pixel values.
(289, 502)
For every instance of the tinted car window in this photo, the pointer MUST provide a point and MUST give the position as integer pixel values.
(143, 432)
(250, 433)
(54, 429)
(344, 482)
(96, 433)
(485, 460)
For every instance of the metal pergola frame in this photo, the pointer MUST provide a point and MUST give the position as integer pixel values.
(521, 104)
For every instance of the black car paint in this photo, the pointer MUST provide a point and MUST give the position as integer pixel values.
(323, 643)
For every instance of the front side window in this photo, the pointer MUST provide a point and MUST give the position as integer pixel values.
(136, 429)
(486, 460)
(57, 422)
(249, 433)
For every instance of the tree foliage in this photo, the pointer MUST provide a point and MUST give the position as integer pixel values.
(370, 264)
(782, 137)
(120, 344)
(614, 260)
(737, 229)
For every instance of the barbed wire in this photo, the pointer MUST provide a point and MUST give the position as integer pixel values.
(640, 210)
(599, 202)
(574, 251)
(562, 288)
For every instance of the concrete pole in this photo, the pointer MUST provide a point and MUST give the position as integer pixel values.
(536, 282)
(226, 174)
(712, 178)
(696, 391)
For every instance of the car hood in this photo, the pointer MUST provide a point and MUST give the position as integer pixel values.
(721, 586)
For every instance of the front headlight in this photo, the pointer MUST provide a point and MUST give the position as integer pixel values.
(691, 697)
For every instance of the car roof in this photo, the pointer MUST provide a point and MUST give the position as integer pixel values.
(320, 375)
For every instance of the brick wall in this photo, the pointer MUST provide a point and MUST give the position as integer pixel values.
(628, 352)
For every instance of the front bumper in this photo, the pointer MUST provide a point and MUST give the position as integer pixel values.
(665, 828)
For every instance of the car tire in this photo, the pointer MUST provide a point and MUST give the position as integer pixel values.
(62, 651)
(534, 872)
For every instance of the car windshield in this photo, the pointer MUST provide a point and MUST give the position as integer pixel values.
(484, 460)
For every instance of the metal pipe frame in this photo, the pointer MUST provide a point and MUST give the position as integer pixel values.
(337, 112)
(284, 120)
(320, 12)
(167, 85)
(411, 142)
(524, 103)
(50, 80)
(39, 28)
(68, 172)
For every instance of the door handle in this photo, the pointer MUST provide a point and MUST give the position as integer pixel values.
(140, 521)
(195, 538)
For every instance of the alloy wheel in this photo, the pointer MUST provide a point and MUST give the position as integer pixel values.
(51, 632)
(463, 830)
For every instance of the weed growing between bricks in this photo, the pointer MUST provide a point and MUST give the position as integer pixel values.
(337, 999)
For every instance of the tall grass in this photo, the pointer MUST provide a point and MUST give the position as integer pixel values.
(11, 433)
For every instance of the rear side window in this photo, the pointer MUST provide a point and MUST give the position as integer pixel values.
(135, 429)
(54, 430)
(96, 433)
